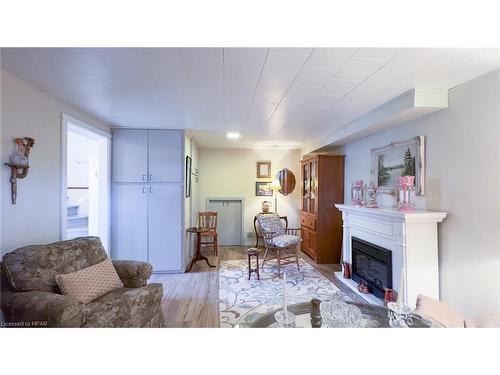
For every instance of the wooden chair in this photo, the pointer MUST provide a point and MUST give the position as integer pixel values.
(283, 241)
(209, 220)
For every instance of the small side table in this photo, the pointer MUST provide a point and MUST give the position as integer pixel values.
(197, 255)
(253, 252)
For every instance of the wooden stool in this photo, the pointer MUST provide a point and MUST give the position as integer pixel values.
(253, 252)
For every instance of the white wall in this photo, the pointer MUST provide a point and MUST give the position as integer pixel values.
(233, 173)
(27, 111)
(463, 179)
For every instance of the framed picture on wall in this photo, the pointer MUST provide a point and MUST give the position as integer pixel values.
(188, 176)
(406, 158)
(263, 169)
(262, 189)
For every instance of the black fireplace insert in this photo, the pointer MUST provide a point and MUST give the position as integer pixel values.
(372, 264)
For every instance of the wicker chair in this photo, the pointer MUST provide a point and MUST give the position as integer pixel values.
(283, 241)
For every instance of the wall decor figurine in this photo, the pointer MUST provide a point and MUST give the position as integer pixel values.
(19, 163)
(263, 169)
(406, 158)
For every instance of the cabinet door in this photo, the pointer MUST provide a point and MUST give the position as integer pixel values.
(165, 156)
(130, 155)
(129, 222)
(165, 227)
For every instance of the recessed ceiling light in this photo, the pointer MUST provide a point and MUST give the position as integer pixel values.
(231, 135)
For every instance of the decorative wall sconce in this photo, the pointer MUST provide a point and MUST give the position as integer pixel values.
(19, 163)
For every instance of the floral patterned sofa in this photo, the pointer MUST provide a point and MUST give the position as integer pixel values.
(30, 296)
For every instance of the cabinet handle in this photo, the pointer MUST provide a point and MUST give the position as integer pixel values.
(150, 177)
(150, 189)
(143, 177)
(144, 190)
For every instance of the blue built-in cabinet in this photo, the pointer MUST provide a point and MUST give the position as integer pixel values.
(147, 197)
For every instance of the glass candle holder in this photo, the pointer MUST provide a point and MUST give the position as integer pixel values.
(406, 193)
(285, 319)
(357, 190)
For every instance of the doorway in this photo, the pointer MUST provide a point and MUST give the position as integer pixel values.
(229, 219)
(85, 190)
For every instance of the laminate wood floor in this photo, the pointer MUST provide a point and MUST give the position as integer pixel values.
(192, 299)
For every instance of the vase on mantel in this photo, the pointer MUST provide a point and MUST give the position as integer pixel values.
(347, 270)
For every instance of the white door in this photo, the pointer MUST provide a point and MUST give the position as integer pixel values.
(165, 226)
(165, 155)
(130, 155)
(229, 216)
(129, 214)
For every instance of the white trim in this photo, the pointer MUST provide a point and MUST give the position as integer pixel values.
(89, 131)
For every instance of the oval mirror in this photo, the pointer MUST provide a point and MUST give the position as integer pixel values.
(287, 181)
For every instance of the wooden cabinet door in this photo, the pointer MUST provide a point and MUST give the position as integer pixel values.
(129, 222)
(165, 226)
(130, 155)
(312, 244)
(165, 156)
(304, 232)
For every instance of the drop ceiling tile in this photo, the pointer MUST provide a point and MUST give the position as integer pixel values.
(82, 63)
(204, 60)
(323, 101)
(245, 56)
(291, 51)
(314, 77)
(238, 90)
(378, 53)
(284, 65)
(331, 58)
(359, 69)
(242, 73)
(301, 92)
(338, 87)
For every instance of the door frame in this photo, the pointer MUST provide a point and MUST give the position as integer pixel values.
(239, 199)
(65, 120)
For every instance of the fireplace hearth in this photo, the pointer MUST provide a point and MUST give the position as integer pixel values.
(372, 264)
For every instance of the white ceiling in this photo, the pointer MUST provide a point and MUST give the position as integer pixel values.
(276, 97)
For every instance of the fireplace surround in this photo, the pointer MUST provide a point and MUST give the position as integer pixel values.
(372, 264)
(412, 238)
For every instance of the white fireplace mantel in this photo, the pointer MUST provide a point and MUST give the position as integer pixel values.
(411, 237)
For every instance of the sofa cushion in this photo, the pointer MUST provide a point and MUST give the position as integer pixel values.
(90, 283)
(285, 240)
(127, 307)
(439, 311)
(34, 267)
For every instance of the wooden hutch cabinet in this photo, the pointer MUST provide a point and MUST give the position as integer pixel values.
(322, 178)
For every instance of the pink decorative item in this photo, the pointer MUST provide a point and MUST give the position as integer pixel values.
(357, 193)
(372, 197)
(406, 193)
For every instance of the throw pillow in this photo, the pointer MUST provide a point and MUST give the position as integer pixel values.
(90, 283)
(439, 311)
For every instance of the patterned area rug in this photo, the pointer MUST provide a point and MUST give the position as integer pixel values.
(238, 295)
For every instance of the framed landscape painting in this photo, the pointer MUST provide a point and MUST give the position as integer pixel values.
(262, 189)
(397, 159)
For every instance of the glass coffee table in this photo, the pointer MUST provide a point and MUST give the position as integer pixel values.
(373, 316)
